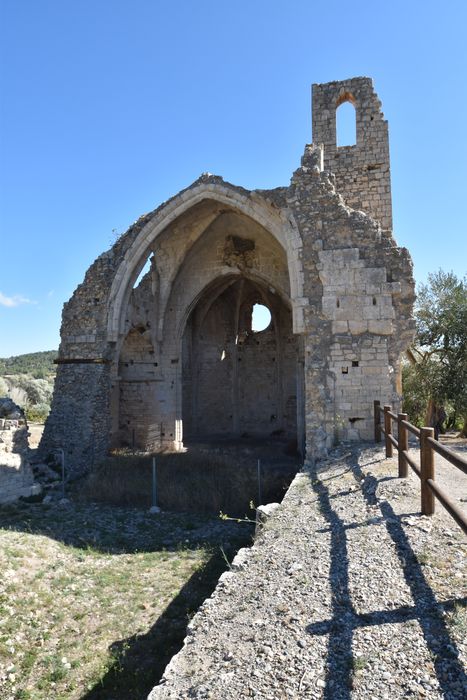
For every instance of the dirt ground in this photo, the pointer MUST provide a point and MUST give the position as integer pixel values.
(35, 434)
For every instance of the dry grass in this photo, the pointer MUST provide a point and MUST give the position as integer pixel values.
(94, 600)
(187, 482)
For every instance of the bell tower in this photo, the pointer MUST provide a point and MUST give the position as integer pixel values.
(362, 171)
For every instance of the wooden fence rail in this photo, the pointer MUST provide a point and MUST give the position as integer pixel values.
(425, 469)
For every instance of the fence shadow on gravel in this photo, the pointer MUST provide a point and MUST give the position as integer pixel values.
(345, 620)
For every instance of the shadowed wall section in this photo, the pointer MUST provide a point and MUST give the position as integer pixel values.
(137, 427)
(237, 381)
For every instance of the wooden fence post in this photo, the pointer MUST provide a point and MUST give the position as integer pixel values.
(427, 470)
(387, 431)
(403, 442)
(377, 420)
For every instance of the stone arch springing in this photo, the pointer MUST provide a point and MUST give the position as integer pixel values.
(215, 287)
(175, 280)
(281, 227)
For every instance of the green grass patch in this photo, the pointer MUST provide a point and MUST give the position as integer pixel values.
(94, 600)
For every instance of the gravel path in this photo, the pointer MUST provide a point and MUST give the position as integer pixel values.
(347, 593)
(451, 479)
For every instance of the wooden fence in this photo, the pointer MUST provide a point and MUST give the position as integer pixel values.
(425, 468)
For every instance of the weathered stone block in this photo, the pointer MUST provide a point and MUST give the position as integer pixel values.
(357, 327)
(381, 327)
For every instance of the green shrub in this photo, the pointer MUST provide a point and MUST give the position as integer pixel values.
(3, 387)
(38, 364)
(37, 413)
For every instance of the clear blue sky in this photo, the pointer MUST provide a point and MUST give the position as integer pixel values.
(109, 107)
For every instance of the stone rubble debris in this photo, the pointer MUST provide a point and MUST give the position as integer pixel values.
(16, 476)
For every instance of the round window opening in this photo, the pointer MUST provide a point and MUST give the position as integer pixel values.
(260, 318)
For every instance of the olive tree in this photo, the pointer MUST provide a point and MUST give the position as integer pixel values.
(437, 377)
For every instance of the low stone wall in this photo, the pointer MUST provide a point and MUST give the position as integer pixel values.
(16, 477)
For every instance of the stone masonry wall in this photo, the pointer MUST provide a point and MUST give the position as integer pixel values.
(360, 290)
(79, 421)
(362, 171)
(137, 387)
(322, 247)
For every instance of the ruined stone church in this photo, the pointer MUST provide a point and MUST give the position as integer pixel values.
(148, 362)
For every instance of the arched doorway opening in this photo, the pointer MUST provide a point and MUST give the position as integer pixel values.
(238, 381)
(210, 267)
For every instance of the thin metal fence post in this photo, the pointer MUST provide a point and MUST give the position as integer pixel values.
(387, 430)
(154, 483)
(403, 445)
(427, 471)
(259, 482)
(377, 420)
(63, 474)
(61, 452)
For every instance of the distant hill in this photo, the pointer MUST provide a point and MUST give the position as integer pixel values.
(29, 381)
(35, 364)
